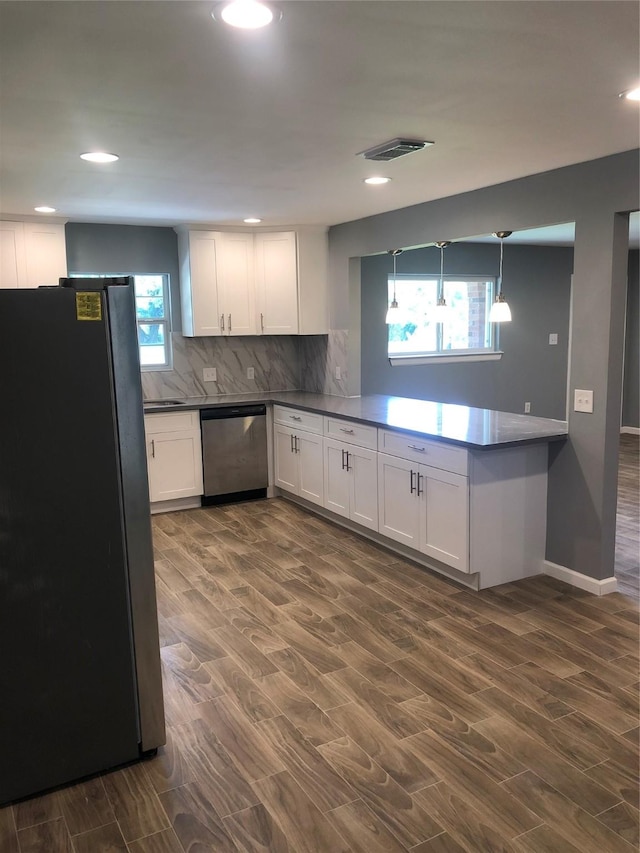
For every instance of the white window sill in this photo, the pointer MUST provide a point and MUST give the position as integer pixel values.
(443, 358)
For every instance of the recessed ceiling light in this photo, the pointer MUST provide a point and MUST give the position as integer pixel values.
(631, 94)
(377, 180)
(99, 157)
(45, 209)
(246, 14)
(252, 220)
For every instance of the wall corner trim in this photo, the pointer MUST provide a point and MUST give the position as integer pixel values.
(562, 573)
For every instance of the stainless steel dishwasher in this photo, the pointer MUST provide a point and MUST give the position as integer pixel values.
(234, 453)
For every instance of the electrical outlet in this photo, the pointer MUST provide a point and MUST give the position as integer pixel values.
(251, 373)
(553, 339)
(209, 374)
(527, 408)
(582, 401)
(338, 372)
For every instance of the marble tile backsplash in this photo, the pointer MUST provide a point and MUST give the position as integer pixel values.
(280, 363)
(319, 357)
(274, 359)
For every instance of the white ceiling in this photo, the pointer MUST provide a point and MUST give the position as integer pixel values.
(214, 124)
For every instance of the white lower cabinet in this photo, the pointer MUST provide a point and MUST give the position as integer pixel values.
(174, 455)
(425, 508)
(298, 462)
(351, 482)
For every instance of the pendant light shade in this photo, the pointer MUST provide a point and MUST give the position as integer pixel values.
(500, 311)
(393, 312)
(440, 313)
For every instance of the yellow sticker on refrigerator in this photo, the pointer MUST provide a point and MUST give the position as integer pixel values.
(88, 305)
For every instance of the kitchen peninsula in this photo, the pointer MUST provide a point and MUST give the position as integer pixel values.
(460, 490)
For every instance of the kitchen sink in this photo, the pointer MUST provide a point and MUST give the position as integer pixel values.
(164, 403)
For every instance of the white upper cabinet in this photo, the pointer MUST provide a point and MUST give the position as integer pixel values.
(277, 283)
(235, 284)
(31, 254)
(247, 283)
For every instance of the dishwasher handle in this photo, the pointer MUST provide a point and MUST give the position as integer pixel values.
(232, 412)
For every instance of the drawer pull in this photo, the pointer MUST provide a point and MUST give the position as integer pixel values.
(295, 417)
(415, 447)
(348, 431)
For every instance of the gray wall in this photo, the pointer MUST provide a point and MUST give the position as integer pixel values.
(126, 249)
(537, 283)
(597, 196)
(631, 403)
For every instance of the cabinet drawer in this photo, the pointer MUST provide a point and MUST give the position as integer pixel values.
(298, 418)
(354, 433)
(171, 422)
(418, 449)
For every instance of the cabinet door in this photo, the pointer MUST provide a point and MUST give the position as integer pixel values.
(445, 532)
(336, 477)
(399, 509)
(363, 481)
(277, 283)
(286, 460)
(13, 272)
(236, 283)
(309, 453)
(202, 268)
(175, 465)
(45, 253)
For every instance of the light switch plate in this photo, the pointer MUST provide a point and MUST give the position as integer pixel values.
(553, 339)
(582, 401)
(251, 373)
(209, 374)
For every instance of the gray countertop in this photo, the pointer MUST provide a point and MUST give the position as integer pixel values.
(481, 429)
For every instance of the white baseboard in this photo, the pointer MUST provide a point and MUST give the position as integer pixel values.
(175, 505)
(630, 430)
(562, 573)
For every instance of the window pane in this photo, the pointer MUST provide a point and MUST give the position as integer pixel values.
(416, 332)
(468, 315)
(150, 307)
(149, 285)
(151, 340)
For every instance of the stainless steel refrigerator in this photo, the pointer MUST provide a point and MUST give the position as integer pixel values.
(80, 683)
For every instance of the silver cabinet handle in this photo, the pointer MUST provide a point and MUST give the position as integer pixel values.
(412, 484)
(295, 440)
(153, 449)
(295, 417)
(291, 441)
(420, 479)
(348, 431)
(222, 322)
(229, 322)
(345, 462)
(347, 455)
(415, 447)
(262, 322)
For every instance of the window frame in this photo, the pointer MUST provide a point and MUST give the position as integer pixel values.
(441, 355)
(164, 321)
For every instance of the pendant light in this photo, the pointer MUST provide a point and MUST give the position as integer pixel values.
(440, 313)
(393, 312)
(500, 311)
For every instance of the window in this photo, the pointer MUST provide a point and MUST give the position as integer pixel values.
(466, 334)
(152, 316)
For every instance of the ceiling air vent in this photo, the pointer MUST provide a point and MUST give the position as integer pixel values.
(394, 148)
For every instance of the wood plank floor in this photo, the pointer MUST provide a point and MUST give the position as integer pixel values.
(627, 568)
(324, 695)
